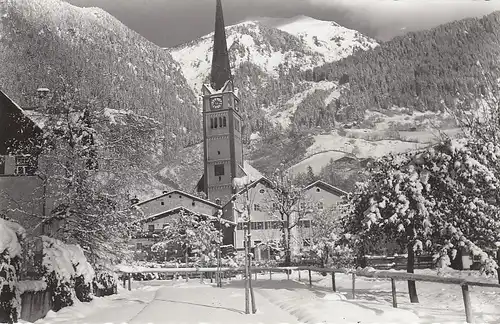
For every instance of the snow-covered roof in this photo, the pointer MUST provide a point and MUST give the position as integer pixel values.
(208, 202)
(327, 186)
(177, 210)
(24, 112)
(251, 172)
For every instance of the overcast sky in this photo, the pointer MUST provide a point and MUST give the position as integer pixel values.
(172, 22)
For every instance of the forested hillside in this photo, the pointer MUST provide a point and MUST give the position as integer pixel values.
(50, 43)
(424, 70)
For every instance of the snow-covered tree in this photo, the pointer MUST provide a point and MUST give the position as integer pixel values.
(190, 234)
(326, 241)
(437, 200)
(90, 160)
(288, 204)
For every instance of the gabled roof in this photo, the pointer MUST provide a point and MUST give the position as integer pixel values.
(207, 202)
(177, 210)
(16, 126)
(262, 180)
(328, 187)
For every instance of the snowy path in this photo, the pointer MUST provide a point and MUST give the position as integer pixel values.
(282, 301)
(186, 303)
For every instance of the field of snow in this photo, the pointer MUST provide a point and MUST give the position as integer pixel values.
(285, 301)
(395, 131)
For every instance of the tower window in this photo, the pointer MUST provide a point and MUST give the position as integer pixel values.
(218, 152)
(211, 123)
(220, 122)
(215, 122)
(219, 170)
(224, 121)
(237, 124)
(2, 164)
(162, 203)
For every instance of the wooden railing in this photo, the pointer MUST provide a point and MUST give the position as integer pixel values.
(392, 275)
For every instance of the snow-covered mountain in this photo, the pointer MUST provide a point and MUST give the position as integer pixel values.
(299, 44)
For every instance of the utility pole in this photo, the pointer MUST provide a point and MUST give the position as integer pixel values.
(249, 257)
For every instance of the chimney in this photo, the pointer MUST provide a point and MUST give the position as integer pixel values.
(43, 98)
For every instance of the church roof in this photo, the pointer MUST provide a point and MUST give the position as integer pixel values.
(221, 68)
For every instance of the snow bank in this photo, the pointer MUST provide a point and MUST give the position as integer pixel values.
(66, 260)
(10, 233)
(31, 285)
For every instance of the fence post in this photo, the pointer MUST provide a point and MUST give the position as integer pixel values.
(299, 274)
(334, 287)
(353, 285)
(287, 275)
(129, 281)
(124, 280)
(256, 275)
(310, 279)
(394, 298)
(270, 275)
(466, 295)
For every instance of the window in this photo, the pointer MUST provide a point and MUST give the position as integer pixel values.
(302, 205)
(253, 225)
(220, 122)
(318, 190)
(2, 164)
(239, 226)
(275, 205)
(262, 191)
(306, 242)
(162, 203)
(306, 223)
(22, 165)
(224, 121)
(151, 228)
(237, 124)
(193, 203)
(259, 225)
(215, 122)
(219, 170)
(139, 246)
(320, 205)
(256, 207)
(218, 152)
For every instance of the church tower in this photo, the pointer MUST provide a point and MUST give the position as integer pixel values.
(223, 150)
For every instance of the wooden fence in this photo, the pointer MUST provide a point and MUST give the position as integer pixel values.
(391, 275)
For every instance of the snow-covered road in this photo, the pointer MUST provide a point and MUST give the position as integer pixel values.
(281, 301)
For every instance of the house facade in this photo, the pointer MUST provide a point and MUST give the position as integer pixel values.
(22, 191)
(265, 224)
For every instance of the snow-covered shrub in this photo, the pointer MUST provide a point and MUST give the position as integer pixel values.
(10, 250)
(67, 272)
(106, 282)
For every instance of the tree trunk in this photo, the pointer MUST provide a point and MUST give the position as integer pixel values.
(288, 253)
(410, 268)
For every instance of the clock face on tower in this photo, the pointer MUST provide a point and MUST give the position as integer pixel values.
(216, 103)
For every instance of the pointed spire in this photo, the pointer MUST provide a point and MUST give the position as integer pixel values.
(221, 70)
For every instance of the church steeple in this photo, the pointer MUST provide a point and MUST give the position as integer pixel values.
(221, 69)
